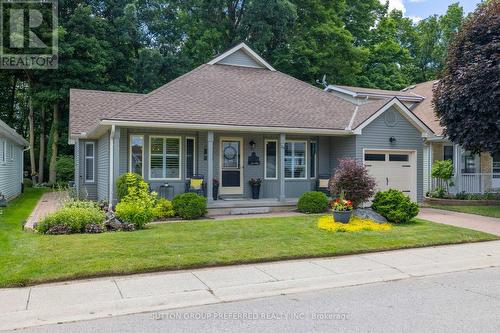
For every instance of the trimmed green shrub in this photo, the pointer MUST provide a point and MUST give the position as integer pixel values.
(164, 209)
(138, 206)
(126, 181)
(190, 206)
(312, 202)
(395, 206)
(71, 219)
(27, 182)
(65, 168)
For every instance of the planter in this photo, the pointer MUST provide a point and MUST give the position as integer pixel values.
(215, 192)
(255, 191)
(342, 216)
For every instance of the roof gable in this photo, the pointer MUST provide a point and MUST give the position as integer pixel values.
(243, 56)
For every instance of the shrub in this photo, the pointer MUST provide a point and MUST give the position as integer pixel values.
(65, 168)
(352, 178)
(312, 203)
(75, 203)
(395, 206)
(126, 181)
(163, 209)
(27, 182)
(71, 219)
(138, 206)
(190, 206)
(443, 170)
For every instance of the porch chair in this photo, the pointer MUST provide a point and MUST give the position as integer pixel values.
(322, 184)
(196, 184)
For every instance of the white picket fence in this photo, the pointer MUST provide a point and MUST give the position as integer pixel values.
(472, 183)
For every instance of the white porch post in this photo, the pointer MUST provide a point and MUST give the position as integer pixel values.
(210, 168)
(281, 174)
(114, 162)
(457, 164)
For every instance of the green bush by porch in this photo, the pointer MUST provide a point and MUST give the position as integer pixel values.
(33, 258)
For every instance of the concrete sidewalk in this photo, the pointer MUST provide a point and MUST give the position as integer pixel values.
(104, 297)
(470, 221)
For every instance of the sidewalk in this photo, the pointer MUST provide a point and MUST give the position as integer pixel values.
(112, 296)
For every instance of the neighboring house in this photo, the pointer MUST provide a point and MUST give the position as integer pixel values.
(12, 146)
(211, 120)
(473, 173)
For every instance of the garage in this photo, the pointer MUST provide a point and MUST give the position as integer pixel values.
(393, 169)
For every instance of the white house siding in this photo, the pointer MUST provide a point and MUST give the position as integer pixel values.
(11, 173)
(103, 167)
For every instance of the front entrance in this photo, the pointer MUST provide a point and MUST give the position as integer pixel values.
(393, 169)
(231, 165)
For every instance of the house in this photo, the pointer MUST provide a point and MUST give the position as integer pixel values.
(235, 118)
(473, 173)
(12, 147)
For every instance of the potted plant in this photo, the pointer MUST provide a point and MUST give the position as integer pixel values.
(255, 185)
(342, 209)
(215, 189)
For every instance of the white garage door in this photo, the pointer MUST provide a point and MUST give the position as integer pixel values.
(393, 169)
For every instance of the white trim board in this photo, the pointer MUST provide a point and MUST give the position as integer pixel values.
(248, 51)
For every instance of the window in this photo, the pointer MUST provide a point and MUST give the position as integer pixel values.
(190, 157)
(295, 159)
(11, 151)
(136, 154)
(399, 157)
(374, 157)
(448, 153)
(165, 161)
(271, 159)
(89, 162)
(469, 162)
(3, 152)
(313, 153)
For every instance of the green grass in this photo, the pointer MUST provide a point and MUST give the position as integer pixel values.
(29, 258)
(493, 211)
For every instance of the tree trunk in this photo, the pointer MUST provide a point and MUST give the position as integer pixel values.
(55, 140)
(41, 155)
(31, 121)
(12, 109)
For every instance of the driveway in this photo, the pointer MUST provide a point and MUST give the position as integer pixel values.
(470, 221)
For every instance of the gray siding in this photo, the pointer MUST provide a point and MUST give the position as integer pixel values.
(240, 58)
(11, 172)
(376, 136)
(103, 167)
(88, 190)
(341, 147)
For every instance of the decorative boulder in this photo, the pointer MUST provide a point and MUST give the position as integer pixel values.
(112, 223)
(368, 213)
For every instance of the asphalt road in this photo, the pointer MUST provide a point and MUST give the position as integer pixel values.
(457, 302)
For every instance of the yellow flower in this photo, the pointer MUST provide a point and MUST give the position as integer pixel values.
(355, 225)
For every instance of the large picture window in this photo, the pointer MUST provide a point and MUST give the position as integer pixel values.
(190, 157)
(271, 157)
(89, 162)
(165, 158)
(137, 154)
(295, 159)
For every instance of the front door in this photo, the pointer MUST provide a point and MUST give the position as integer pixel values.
(231, 166)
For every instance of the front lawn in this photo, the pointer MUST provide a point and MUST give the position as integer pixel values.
(27, 258)
(492, 211)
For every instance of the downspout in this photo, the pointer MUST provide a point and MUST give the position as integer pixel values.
(111, 160)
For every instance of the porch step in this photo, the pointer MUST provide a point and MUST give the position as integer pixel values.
(250, 210)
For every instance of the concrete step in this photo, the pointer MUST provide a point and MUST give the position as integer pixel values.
(250, 210)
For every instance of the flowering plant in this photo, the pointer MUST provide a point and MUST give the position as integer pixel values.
(255, 181)
(341, 204)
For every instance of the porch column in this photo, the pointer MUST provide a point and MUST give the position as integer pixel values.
(281, 174)
(457, 165)
(114, 163)
(210, 168)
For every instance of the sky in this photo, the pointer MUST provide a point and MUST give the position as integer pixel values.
(420, 9)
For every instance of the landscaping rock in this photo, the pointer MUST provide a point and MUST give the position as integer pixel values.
(112, 223)
(368, 213)
(128, 227)
(59, 229)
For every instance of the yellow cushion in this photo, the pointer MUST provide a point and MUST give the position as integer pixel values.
(196, 184)
(323, 183)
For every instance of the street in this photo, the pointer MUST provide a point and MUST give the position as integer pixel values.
(467, 301)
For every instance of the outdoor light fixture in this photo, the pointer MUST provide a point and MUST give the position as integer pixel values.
(392, 139)
(252, 145)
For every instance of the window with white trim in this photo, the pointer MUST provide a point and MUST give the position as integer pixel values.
(271, 159)
(313, 158)
(11, 151)
(136, 151)
(295, 159)
(89, 162)
(165, 157)
(3, 147)
(190, 157)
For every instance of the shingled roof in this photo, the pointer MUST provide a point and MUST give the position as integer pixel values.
(425, 109)
(381, 92)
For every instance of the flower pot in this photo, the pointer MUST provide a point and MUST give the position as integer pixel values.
(342, 216)
(255, 191)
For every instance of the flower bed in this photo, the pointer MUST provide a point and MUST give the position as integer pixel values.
(355, 225)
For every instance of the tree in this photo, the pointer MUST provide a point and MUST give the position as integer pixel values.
(467, 97)
(443, 170)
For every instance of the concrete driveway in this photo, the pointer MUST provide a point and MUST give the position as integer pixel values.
(470, 221)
